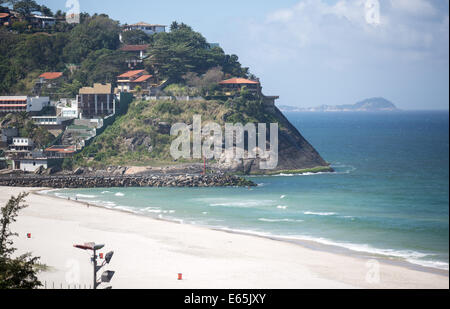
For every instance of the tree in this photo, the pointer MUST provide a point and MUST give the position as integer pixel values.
(20, 272)
(26, 7)
(135, 37)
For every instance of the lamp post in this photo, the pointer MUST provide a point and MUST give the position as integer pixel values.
(107, 275)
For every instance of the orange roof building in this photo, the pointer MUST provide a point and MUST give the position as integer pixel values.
(128, 81)
(238, 81)
(236, 84)
(51, 75)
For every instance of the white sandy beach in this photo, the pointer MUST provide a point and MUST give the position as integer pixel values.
(150, 253)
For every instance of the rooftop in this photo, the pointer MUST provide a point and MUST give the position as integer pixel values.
(62, 149)
(13, 98)
(142, 78)
(97, 89)
(4, 15)
(51, 75)
(143, 24)
(238, 81)
(131, 73)
(134, 47)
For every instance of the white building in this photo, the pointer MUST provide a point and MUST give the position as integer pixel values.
(22, 142)
(67, 108)
(43, 21)
(16, 104)
(30, 165)
(147, 28)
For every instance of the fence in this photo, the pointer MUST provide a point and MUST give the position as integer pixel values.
(53, 286)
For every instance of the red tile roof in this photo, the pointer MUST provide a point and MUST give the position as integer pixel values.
(13, 105)
(62, 149)
(134, 47)
(51, 75)
(142, 78)
(4, 15)
(131, 73)
(238, 81)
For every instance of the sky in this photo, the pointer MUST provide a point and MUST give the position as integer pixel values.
(314, 52)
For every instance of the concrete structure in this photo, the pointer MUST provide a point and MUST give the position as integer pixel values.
(97, 101)
(21, 144)
(67, 108)
(52, 122)
(17, 104)
(145, 27)
(128, 81)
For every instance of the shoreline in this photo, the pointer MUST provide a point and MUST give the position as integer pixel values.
(323, 274)
(310, 244)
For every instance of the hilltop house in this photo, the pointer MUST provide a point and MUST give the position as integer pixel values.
(136, 52)
(233, 85)
(17, 104)
(237, 84)
(43, 21)
(97, 101)
(145, 27)
(128, 81)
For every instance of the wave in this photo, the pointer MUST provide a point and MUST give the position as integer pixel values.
(279, 220)
(119, 194)
(413, 257)
(243, 204)
(282, 207)
(319, 213)
(85, 195)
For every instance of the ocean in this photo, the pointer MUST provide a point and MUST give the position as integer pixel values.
(389, 196)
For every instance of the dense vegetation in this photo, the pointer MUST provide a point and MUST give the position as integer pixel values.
(89, 52)
(15, 272)
(139, 138)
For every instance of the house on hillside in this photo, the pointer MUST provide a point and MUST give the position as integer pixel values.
(17, 104)
(43, 21)
(49, 77)
(232, 85)
(136, 52)
(145, 27)
(67, 108)
(4, 19)
(128, 81)
(96, 101)
(235, 85)
(60, 151)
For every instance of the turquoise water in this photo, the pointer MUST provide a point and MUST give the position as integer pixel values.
(389, 195)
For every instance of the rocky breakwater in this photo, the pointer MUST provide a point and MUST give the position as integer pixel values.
(74, 181)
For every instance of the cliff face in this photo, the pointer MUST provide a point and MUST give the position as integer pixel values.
(295, 153)
(142, 137)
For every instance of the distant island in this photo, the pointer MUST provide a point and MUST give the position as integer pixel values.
(367, 105)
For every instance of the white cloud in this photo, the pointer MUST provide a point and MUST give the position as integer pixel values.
(332, 52)
(342, 31)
